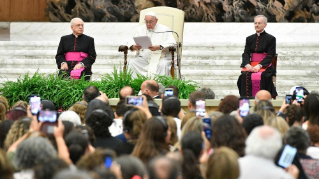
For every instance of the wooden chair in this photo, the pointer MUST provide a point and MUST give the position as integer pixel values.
(172, 18)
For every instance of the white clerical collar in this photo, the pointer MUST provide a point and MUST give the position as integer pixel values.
(260, 33)
(76, 36)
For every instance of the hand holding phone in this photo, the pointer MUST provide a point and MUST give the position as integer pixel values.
(207, 127)
(244, 107)
(288, 99)
(49, 119)
(200, 107)
(134, 100)
(287, 156)
(35, 103)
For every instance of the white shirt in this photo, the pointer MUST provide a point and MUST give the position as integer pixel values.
(117, 127)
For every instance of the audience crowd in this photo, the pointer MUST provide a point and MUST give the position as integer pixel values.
(92, 140)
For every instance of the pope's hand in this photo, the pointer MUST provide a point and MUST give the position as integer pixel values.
(154, 48)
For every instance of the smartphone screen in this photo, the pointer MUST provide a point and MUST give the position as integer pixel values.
(288, 99)
(108, 162)
(200, 107)
(207, 127)
(299, 94)
(287, 156)
(35, 103)
(134, 100)
(169, 92)
(49, 119)
(243, 107)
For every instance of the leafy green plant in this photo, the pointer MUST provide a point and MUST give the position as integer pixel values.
(65, 92)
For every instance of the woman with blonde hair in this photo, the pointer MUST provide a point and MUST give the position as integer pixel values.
(278, 123)
(193, 124)
(223, 164)
(265, 109)
(18, 129)
(80, 108)
(171, 122)
(4, 106)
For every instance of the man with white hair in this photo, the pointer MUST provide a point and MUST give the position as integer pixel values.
(76, 52)
(150, 60)
(262, 145)
(257, 70)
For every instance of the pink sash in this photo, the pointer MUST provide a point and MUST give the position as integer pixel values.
(76, 56)
(256, 77)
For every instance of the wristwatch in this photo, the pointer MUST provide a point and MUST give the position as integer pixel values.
(161, 47)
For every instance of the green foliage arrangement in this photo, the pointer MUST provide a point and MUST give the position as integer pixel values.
(64, 92)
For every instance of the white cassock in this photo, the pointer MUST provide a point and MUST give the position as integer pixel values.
(147, 62)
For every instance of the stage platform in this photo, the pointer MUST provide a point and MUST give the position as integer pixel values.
(211, 51)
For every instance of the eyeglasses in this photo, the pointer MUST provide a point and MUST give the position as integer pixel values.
(149, 22)
(79, 25)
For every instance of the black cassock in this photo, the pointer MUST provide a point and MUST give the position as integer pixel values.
(265, 43)
(82, 43)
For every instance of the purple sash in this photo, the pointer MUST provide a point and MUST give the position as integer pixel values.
(256, 77)
(76, 56)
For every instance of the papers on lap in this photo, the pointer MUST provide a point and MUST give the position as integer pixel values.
(143, 41)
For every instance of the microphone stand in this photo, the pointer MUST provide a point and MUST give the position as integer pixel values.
(177, 49)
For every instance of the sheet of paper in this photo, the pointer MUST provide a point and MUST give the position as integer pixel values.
(143, 41)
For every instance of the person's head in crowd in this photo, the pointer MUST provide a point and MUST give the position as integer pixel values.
(295, 115)
(98, 104)
(17, 130)
(192, 148)
(195, 95)
(133, 122)
(227, 131)
(4, 107)
(90, 93)
(251, 121)
(313, 132)
(95, 159)
(5, 126)
(173, 126)
(162, 167)
(214, 115)
(154, 139)
(311, 107)
(305, 92)
(209, 93)
(103, 173)
(175, 90)
(176, 156)
(193, 124)
(80, 108)
(131, 166)
(72, 174)
(21, 103)
(49, 168)
(171, 106)
(278, 123)
(264, 142)
(70, 116)
(150, 87)
(6, 170)
(228, 104)
(265, 109)
(161, 89)
(262, 95)
(298, 138)
(99, 120)
(77, 144)
(126, 91)
(87, 131)
(32, 152)
(68, 127)
(152, 106)
(121, 109)
(48, 105)
(17, 112)
(223, 164)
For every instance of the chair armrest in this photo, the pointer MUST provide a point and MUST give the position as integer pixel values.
(123, 48)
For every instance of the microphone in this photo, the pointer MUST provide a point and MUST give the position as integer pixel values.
(178, 55)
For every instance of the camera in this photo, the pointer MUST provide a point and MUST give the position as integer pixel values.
(134, 100)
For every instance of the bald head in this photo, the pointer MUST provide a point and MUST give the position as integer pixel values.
(150, 87)
(126, 91)
(262, 95)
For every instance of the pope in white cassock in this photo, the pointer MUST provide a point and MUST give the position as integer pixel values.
(157, 58)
